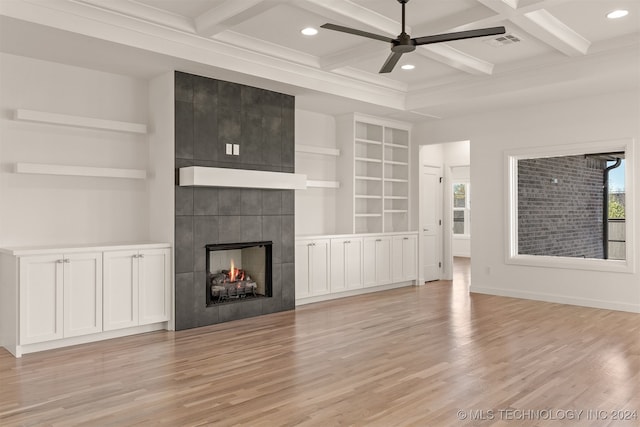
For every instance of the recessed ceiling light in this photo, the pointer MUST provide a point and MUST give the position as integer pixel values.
(309, 31)
(408, 67)
(617, 14)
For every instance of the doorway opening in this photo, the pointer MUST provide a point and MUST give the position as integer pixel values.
(444, 222)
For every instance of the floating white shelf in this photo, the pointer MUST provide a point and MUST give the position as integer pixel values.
(388, 144)
(368, 215)
(392, 162)
(369, 178)
(47, 169)
(79, 121)
(397, 197)
(368, 159)
(200, 176)
(312, 149)
(367, 197)
(368, 141)
(322, 184)
(396, 180)
(395, 211)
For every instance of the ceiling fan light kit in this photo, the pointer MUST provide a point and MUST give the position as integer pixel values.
(405, 44)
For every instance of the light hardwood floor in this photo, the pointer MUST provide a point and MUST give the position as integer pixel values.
(409, 356)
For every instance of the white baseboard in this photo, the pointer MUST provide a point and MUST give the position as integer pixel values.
(353, 292)
(561, 299)
(84, 339)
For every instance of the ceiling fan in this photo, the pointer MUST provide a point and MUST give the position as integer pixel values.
(405, 44)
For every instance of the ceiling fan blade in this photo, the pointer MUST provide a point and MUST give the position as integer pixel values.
(460, 35)
(348, 30)
(391, 62)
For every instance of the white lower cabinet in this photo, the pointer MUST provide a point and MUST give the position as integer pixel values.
(342, 265)
(136, 287)
(60, 296)
(346, 264)
(377, 261)
(312, 267)
(404, 265)
(55, 297)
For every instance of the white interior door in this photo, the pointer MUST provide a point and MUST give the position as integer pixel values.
(431, 213)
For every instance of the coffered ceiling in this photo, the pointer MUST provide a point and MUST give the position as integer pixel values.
(553, 48)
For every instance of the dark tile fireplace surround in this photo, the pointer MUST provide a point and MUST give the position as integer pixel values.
(209, 114)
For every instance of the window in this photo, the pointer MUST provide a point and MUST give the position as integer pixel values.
(461, 209)
(559, 212)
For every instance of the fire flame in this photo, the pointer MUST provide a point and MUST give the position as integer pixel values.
(235, 274)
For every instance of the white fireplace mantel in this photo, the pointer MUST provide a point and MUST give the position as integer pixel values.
(200, 176)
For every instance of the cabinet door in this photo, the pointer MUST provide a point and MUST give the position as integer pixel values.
(154, 290)
(404, 252)
(383, 260)
(410, 257)
(303, 249)
(82, 294)
(353, 263)
(398, 259)
(369, 261)
(41, 298)
(338, 264)
(120, 289)
(319, 271)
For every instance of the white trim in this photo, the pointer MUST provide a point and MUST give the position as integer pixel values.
(199, 176)
(47, 169)
(511, 158)
(79, 121)
(85, 339)
(353, 292)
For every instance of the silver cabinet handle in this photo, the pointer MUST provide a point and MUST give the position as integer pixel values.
(141, 256)
(406, 238)
(67, 260)
(59, 261)
(347, 241)
(378, 240)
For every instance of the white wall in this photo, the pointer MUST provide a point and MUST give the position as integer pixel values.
(603, 117)
(316, 208)
(45, 209)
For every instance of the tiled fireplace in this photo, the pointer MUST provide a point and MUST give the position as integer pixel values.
(209, 114)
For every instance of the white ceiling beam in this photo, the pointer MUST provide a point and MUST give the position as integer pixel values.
(468, 19)
(351, 14)
(541, 24)
(554, 32)
(513, 4)
(454, 58)
(143, 11)
(228, 14)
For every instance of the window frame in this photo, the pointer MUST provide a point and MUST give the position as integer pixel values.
(466, 209)
(511, 158)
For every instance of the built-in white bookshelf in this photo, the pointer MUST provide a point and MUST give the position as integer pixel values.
(375, 170)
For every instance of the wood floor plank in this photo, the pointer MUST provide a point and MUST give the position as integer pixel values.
(405, 357)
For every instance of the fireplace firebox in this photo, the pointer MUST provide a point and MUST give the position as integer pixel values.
(238, 272)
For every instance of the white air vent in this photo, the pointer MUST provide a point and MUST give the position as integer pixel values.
(504, 40)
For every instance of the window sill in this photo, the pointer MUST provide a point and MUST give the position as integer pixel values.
(614, 266)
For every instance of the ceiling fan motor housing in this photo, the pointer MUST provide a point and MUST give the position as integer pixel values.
(403, 44)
